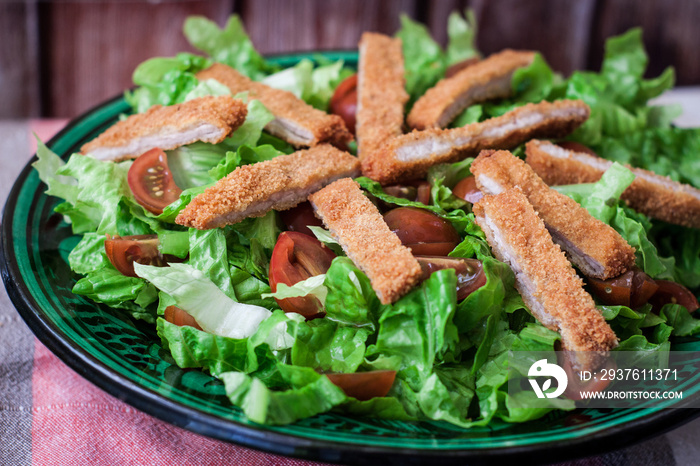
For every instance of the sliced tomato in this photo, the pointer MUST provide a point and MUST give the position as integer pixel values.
(632, 289)
(299, 218)
(151, 182)
(673, 293)
(576, 147)
(177, 316)
(123, 251)
(466, 189)
(422, 231)
(296, 257)
(575, 385)
(344, 101)
(364, 385)
(418, 191)
(470, 272)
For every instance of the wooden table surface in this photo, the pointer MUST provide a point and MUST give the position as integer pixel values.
(58, 58)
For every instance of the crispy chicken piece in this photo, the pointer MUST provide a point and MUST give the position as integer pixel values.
(409, 157)
(208, 119)
(280, 184)
(654, 195)
(543, 276)
(488, 79)
(295, 121)
(367, 240)
(593, 246)
(381, 93)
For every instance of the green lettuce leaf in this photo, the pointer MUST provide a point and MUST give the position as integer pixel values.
(165, 81)
(230, 45)
(195, 293)
(107, 285)
(461, 37)
(417, 330)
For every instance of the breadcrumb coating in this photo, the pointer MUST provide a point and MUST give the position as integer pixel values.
(488, 79)
(381, 93)
(409, 157)
(209, 119)
(280, 184)
(367, 240)
(295, 121)
(654, 195)
(543, 276)
(593, 246)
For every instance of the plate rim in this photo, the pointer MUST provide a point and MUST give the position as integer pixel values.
(257, 436)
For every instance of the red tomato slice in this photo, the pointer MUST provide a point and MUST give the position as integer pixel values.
(416, 191)
(632, 289)
(300, 217)
(122, 252)
(177, 316)
(575, 385)
(470, 272)
(344, 102)
(466, 189)
(673, 293)
(364, 385)
(296, 257)
(422, 231)
(151, 182)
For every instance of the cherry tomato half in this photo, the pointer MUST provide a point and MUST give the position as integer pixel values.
(576, 147)
(151, 182)
(344, 101)
(296, 257)
(177, 316)
(470, 272)
(418, 191)
(466, 189)
(123, 251)
(673, 293)
(364, 385)
(422, 231)
(300, 217)
(632, 289)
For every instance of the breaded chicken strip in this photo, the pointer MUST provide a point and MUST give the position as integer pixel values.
(208, 119)
(654, 195)
(367, 240)
(295, 121)
(409, 157)
(593, 246)
(488, 79)
(280, 183)
(543, 276)
(381, 93)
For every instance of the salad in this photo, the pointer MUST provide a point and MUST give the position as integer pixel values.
(271, 305)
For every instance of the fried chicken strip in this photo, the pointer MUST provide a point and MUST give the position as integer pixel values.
(280, 184)
(593, 246)
(208, 119)
(543, 276)
(367, 240)
(654, 195)
(488, 79)
(409, 157)
(295, 121)
(381, 93)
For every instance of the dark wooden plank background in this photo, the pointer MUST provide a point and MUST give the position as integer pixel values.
(58, 59)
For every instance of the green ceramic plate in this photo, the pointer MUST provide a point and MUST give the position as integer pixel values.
(125, 358)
